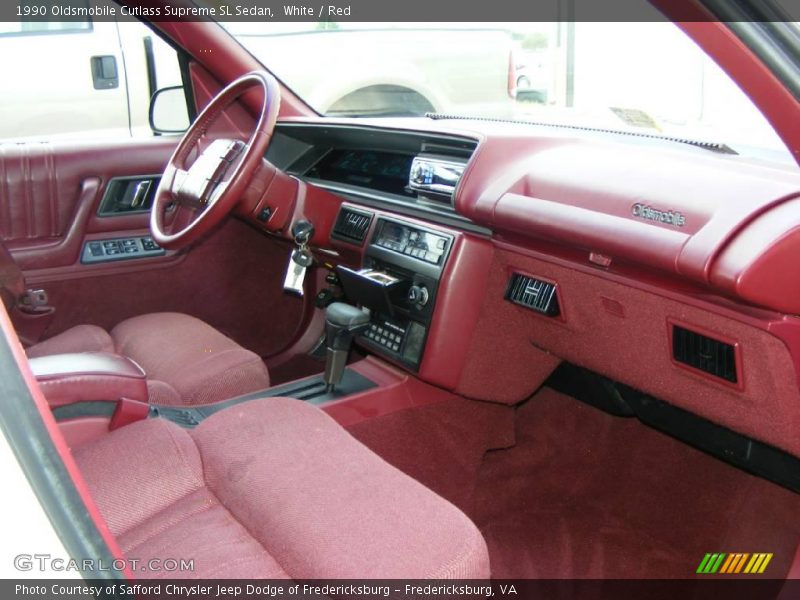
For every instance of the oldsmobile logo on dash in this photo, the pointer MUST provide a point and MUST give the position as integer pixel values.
(668, 217)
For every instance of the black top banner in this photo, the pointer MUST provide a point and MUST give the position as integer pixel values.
(404, 11)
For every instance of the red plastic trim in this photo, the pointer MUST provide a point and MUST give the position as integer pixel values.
(784, 327)
(396, 391)
(127, 412)
(765, 90)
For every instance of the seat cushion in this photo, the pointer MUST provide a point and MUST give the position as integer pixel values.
(274, 488)
(197, 361)
(187, 361)
(83, 338)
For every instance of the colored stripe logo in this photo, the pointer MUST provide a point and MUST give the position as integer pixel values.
(734, 563)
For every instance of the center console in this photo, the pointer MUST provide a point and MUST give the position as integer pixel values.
(402, 267)
(91, 393)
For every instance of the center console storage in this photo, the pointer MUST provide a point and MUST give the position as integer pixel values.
(310, 389)
(91, 393)
(402, 267)
(89, 377)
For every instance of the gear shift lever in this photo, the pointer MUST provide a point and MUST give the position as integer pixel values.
(342, 322)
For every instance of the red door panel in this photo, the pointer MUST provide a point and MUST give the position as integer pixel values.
(49, 197)
(232, 279)
(49, 193)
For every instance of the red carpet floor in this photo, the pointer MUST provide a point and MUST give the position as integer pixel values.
(586, 494)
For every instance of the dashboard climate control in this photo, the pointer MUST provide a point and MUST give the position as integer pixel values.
(398, 282)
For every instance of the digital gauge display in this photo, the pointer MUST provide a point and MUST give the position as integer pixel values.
(383, 171)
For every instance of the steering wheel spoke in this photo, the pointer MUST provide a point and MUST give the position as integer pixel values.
(177, 177)
(208, 189)
(219, 191)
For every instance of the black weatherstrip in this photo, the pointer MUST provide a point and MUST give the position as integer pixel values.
(186, 78)
(28, 437)
(85, 409)
(150, 62)
(769, 31)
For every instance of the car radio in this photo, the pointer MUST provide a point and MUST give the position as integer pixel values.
(398, 283)
(431, 175)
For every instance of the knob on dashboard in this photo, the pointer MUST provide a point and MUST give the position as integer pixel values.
(418, 295)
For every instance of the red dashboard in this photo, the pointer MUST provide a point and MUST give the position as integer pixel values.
(642, 240)
(717, 221)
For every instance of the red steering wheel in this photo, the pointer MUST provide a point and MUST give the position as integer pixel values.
(192, 199)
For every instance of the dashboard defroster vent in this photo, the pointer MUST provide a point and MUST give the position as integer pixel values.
(533, 293)
(704, 353)
(352, 225)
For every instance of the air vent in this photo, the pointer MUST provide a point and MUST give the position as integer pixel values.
(534, 294)
(704, 353)
(352, 225)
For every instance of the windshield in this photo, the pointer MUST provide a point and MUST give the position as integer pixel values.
(642, 77)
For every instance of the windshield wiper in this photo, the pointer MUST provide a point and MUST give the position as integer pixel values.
(719, 147)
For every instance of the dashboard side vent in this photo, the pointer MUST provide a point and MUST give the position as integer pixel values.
(704, 353)
(352, 225)
(533, 293)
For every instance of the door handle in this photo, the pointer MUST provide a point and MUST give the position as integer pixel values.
(140, 193)
(105, 75)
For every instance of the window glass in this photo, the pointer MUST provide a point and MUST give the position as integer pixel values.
(646, 77)
(80, 79)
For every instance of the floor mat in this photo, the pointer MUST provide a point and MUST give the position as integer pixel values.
(586, 494)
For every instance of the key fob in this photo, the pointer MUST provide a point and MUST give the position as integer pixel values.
(296, 271)
(302, 258)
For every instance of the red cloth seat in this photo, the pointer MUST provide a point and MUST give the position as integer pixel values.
(186, 361)
(273, 488)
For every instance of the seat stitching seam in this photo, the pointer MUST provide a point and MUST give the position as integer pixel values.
(229, 511)
(170, 524)
(199, 484)
(199, 386)
(181, 453)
